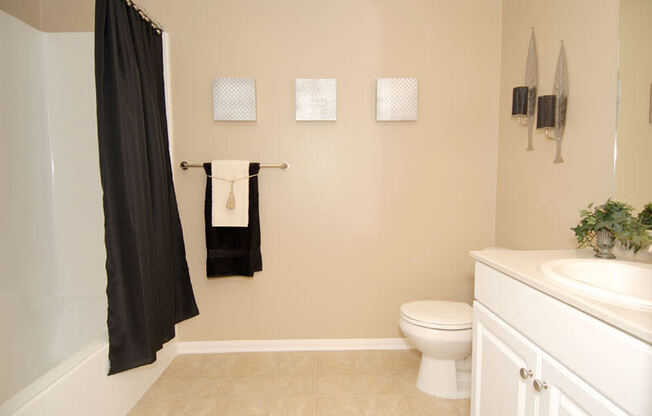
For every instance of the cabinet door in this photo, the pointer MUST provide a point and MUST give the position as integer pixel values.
(565, 394)
(499, 354)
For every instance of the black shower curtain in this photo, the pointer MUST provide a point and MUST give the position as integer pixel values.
(148, 285)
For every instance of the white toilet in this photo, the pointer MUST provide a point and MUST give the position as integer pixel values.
(442, 331)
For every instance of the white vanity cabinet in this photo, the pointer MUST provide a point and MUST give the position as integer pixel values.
(512, 376)
(503, 362)
(567, 394)
(534, 355)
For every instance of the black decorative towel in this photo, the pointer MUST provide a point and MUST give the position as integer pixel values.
(233, 251)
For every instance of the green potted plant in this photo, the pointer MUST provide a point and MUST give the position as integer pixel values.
(600, 227)
(645, 216)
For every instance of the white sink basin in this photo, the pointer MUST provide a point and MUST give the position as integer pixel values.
(621, 282)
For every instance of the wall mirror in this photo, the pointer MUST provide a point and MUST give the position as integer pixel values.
(633, 153)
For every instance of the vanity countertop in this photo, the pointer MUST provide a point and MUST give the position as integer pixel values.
(525, 267)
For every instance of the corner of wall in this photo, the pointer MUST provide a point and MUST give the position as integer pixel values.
(498, 98)
(28, 11)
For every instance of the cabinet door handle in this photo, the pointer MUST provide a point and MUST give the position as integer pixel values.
(525, 373)
(539, 385)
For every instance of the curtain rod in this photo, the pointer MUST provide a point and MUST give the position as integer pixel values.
(185, 165)
(144, 16)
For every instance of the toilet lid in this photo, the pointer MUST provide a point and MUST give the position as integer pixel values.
(439, 314)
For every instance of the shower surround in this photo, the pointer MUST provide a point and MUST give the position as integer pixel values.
(53, 300)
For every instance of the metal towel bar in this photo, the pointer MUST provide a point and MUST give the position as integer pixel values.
(185, 165)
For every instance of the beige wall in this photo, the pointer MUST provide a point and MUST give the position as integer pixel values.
(374, 214)
(371, 214)
(538, 201)
(53, 15)
(29, 11)
(67, 15)
(634, 166)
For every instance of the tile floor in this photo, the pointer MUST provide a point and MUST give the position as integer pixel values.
(342, 383)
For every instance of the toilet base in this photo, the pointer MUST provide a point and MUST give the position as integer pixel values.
(439, 378)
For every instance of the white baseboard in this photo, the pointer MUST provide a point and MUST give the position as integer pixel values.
(212, 347)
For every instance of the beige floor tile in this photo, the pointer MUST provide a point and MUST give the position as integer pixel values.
(291, 406)
(153, 408)
(352, 361)
(296, 385)
(259, 364)
(250, 386)
(336, 362)
(338, 406)
(407, 382)
(164, 389)
(221, 364)
(463, 407)
(193, 365)
(278, 363)
(198, 407)
(371, 361)
(404, 360)
(335, 384)
(297, 362)
(385, 406)
(361, 383)
(185, 365)
(424, 405)
(244, 407)
(375, 383)
(204, 387)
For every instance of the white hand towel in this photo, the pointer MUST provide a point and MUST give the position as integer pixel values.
(222, 173)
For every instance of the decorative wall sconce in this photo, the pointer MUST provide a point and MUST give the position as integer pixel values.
(547, 114)
(524, 98)
(551, 114)
(519, 104)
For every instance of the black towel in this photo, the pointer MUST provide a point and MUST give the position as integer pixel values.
(233, 251)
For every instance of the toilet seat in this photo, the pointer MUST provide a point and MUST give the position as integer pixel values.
(438, 314)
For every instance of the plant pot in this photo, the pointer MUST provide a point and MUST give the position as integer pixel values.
(606, 240)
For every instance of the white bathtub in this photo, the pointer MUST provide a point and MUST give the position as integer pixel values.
(69, 379)
(79, 385)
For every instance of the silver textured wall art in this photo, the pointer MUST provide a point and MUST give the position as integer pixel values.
(531, 81)
(397, 99)
(560, 89)
(234, 99)
(315, 99)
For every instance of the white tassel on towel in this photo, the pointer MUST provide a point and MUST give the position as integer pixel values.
(230, 193)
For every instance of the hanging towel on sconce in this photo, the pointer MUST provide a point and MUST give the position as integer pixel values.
(233, 250)
(230, 184)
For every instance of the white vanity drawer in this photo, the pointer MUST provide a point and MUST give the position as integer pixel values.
(596, 352)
